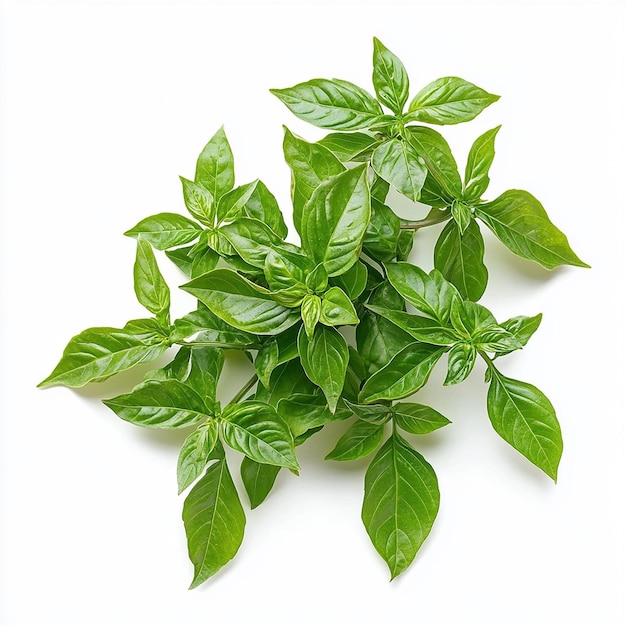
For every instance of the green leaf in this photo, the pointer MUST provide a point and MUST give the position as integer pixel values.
(256, 430)
(519, 221)
(372, 413)
(479, 161)
(286, 380)
(381, 236)
(522, 328)
(285, 268)
(166, 230)
(349, 146)
(430, 293)
(407, 372)
(305, 411)
(214, 522)
(311, 164)
(525, 418)
(194, 260)
(100, 352)
(460, 259)
(150, 286)
(252, 240)
(274, 352)
(205, 368)
(199, 202)
(232, 203)
(337, 309)
(324, 358)
(336, 104)
(360, 440)
(160, 404)
(462, 215)
(461, 359)
(195, 454)
(335, 220)
(390, 79)
(215, 168)
(258, 480)
(241, 303)
(405, 244)
(310, 311)
(352, 281)
(449, 100)
(400, 504)
(262, 205)
(397, 162)
(418, 419)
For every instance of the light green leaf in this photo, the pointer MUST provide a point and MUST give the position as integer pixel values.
(262, 205)
(305, 411)
(150, 286)
(252, 240)
(310, 311)
(206, 364)
(522, 328)
(360, 440)
(461, 359)
(195, 454)
(418, 419)
(215, 168)
(274, 352)
(166, 230)
(337, 309)
(199, 202)
(479, 161)
(258, 480)
(390, 79)
(400, 504)
(349, 146)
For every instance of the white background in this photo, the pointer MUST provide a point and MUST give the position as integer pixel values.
(103, 106)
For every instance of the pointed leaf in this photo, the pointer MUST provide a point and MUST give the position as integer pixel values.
(461, 359)
(303, 412)
(258, 480)
(383, 231)
(522, 328)
(199, 201)
(150, 286)
(166, 230)
(349, 146)
(390, 79)
(215, 168)
(252, 240)
(195, 454)
(360, 440)
(479, 161)
(418, 419)
(337, 309)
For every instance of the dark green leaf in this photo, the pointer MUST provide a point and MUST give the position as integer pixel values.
(397, 162)
(525, 418)
(215, 168)
(166, 230)
(241, 303)
(258, 480)
(274, 352)
(324, 358)
(381, 236)
(199, 202)
(460, 259)
(335, 220)
(405, 244)
(337, 309)
(303, 412)
(523, 226)
(449, 100)
(461, 359)
(479, 161)
(150, 286)
(335, 104)
(353, 281)
(418, 419)
(214, 522)
(286, 380)
(400, 504)
(195, 453)
(361, 439)
(256, 430)
(390, 79)
(349, 146)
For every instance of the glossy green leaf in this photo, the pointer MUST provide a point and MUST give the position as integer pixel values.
(150, 286)
(381, 237)
(523, 226)
(352, 281)
(195, 453)
(258, 480)
(461, 359)
(400, 504)
(525, 418)
(166, 230)
(479, 161)
(418, 419)
(335, 104)
(407, 372)
(274, 352)
(205, 368)
(372, 413)
(256, 430)
(214, 522)
(232, 204)
(522, 328)
(286, 268)
(310, 311)
(390, 79)
(460, 259)
(305, 411)
(252, 240)
(215, 168)
(160, 404)
(349, 146)
(241, 303)
(398, 162)
(335, 220)
(199, 202)
(360, 440)
(462, 215)
(100, 352)
(449, 100)
(285, 381)
(405, 244)
(324, 358)
(262, 205)
(337, 309)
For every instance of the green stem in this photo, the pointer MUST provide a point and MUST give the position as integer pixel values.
(216, 344)
(244, 390)
(430, 220)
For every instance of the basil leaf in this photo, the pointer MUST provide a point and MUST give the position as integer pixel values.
(304, 412)
(262, 205)
(336, 104)
(231, 204)
(286, 380)
(310, 311)
(461, 359)
(372, 413)
(460, 259)
(449, 100)
(381, 237)
(397, 162)
(214, 522)
(160, 404)
(461, 215)
(335, 220)
(352, 281)
(390, 79)
(252, 240)
(522, 328)
(274, 352)
(407, 372)
(349, 146)
(470, 318)
(286, 268)
(337, 309)
(256, 430)
(241, 303)
(525, 418)
(166, 230)
(258, 480)
(360, 440)
(100, 352)
(199, 202)
(150, 286)
(519, 221)
(418, 419)
(479, 161)
(311, 164)
(324, 358)
(205, 368)
(400, 504)
(215, 168)
(405, 244)
(195, 454)
(430, 293)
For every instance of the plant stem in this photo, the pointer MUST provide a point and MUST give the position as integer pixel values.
(244, 390)
(434, 217)
(216, 344)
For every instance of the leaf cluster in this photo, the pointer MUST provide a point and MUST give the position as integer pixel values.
(290, 307)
